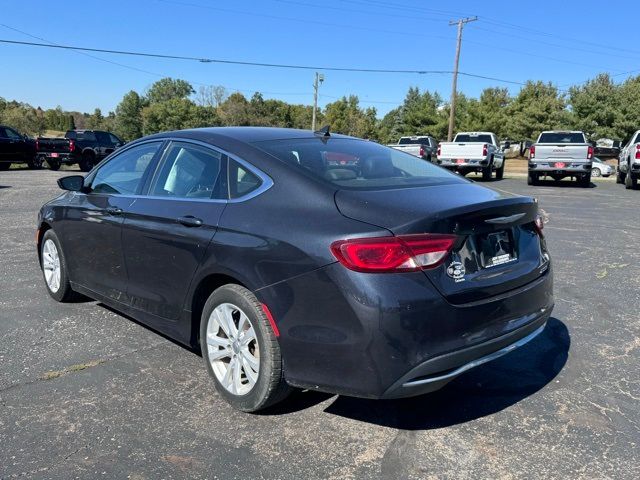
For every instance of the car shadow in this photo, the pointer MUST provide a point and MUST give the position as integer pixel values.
(479, 392)
(563, 184)
(4, 186)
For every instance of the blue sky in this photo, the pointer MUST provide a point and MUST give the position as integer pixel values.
(562, 42)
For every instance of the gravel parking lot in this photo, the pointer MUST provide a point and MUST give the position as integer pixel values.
(86, 392)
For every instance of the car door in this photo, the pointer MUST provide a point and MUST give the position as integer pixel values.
(167, 231)
(4, 144)
(14, 143)
(92, 227)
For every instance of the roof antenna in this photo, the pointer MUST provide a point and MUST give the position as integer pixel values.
(324, 131)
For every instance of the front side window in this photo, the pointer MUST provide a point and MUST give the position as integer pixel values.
(13, 135)
(188, 171)
(123, 173)
(114, 140)
(362, 165)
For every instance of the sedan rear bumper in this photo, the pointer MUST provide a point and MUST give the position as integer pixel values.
(435, 373)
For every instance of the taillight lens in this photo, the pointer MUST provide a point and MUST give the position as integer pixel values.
(485, 150)
(637, 152)
(439, 150)
(422, 151)
(405, 253)
(589, 153)
(72, 145)
(37, 144)
(532, 152)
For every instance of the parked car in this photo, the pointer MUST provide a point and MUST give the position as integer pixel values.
(629, 162)
(559, 154)
(289, 272)
(16, 148)
(607, 148)
(474, 152)
(84, 147)
(600, 168)
(422, 146)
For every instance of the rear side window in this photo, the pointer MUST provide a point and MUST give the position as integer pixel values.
(469, 138)
(241, 180)
(123, 173)
(88, 136)
(561, 137)
(188, 171)
(361, 164)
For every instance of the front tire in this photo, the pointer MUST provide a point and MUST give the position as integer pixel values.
(532, 179)
(585, 182)
(87, 162)
(240, 350)
(54, 268)
(630, 182)
(35, 163)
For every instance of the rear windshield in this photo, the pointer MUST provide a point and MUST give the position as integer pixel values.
(413, 141)
(466, 137)
(561, 137)
(357, 164)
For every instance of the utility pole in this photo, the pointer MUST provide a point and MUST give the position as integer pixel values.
(454, 86)
(319, 79)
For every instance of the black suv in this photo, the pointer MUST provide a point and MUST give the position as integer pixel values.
(16, 148)
(84, 147)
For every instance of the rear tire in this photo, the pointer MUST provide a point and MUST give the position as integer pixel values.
(595, 172)
(53, 164)
(500, 172)
(620, 177)
(486, 172)
(87, 162)
(231, 316)
(532, 179)
(35, 163)
(630, 183)
(54, 268)
(585, 182)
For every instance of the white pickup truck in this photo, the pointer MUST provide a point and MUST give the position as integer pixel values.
(629, 162)
(473, 152)
(560, 154)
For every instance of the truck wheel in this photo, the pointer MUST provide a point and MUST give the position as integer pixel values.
(620, 177)
(486, 172)
(585, 182)
(35, 163)
(500, 172)
(53, 164)
(630, 182)
(532, 178)
(87, 162)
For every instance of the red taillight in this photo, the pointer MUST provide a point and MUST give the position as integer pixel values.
(72, 145)
(485, 150)
(37, 144)
(439, 150)
(422, 151)
(532, 152)
(405, 253)
(589, 153)
(637, 152)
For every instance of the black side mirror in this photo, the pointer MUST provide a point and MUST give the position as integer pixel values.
(507, 146)
(72, 183)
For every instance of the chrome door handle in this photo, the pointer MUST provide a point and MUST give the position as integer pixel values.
(190, 221)
(114, 211)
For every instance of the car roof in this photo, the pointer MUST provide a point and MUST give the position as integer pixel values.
(243, 134)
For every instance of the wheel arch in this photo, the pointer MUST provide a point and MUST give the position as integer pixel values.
(201, 293)
(42, 229)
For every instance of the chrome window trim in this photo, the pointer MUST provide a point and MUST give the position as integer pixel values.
(266, 184)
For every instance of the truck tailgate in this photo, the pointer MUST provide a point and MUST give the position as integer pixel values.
(573, 153)
(461, 150)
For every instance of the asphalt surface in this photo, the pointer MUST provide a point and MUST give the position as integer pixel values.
(87, 393)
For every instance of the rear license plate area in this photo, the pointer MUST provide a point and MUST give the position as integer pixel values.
(54, 155)
(496, 248)
(460, 161)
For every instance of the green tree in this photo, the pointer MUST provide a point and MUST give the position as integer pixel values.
(95, 120)
(128, 121)
(71, 123)
(169, 89)
(345, 116)
(628, 119)
(537, 107)
(595, 107)
(235, 110)
(177, 114)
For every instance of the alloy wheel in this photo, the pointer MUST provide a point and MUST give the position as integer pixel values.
(51, 265)
(233, 349)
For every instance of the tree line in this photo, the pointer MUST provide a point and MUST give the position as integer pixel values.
(600, 107)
